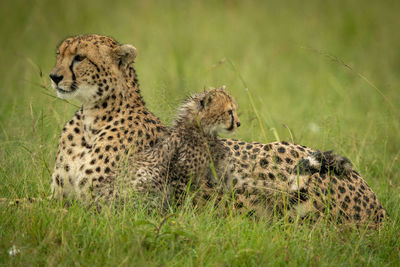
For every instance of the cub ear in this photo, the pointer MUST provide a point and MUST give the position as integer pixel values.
(205, 101)
(202, 103)
(125, 54)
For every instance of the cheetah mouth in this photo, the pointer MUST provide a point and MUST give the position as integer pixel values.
(231, 128)
(65, 92)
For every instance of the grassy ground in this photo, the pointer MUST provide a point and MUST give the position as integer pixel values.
(325, 75)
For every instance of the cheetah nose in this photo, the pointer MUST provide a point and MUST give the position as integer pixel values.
(238, 124)
(56, 78)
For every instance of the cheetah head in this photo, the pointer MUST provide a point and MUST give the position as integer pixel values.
(88, 67)
(214, 110)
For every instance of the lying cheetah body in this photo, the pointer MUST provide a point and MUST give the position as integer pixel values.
(268, 174)
(114, 122)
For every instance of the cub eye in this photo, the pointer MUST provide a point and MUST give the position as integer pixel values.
(230, 112)
(79, 58)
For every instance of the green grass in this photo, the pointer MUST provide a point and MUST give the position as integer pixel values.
(328, 71)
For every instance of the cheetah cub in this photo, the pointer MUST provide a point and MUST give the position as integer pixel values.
(187, 154)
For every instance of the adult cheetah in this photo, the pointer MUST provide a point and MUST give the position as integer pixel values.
(114, 120)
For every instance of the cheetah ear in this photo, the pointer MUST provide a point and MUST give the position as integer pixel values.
(202, 103)
(125, 54)
(205, 101)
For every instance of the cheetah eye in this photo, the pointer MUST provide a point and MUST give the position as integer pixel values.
(230, 112)
(79, 58)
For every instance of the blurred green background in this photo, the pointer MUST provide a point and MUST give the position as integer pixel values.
(325, 74)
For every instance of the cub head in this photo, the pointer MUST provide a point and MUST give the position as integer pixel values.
(214, 111)
(89, 67)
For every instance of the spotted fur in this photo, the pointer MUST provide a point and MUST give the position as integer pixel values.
(301, 180)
